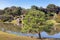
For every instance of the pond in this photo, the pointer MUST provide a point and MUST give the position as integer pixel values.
(43, 34)
(11, 29)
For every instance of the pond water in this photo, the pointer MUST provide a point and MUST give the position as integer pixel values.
(43, 34)
(11, 29)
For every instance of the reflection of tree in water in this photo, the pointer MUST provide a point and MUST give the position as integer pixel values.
(10, 27)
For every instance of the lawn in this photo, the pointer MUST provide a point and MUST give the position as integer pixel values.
(6, 36)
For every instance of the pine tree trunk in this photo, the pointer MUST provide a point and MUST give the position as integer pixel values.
(39, 36)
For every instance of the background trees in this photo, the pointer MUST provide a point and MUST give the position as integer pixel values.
(14, 11)
(1, 12)
(34, 7)
(52, 7)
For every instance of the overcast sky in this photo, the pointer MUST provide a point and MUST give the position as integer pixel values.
(27, 3)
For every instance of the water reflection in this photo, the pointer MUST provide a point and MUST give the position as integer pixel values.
(8, 26)
(14, 29)
(43, 34)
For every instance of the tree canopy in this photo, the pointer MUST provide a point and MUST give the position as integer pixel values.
(35, 22)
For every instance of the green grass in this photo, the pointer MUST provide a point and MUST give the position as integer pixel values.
(6, 36)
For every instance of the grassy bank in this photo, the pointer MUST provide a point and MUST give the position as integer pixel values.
(6, 36)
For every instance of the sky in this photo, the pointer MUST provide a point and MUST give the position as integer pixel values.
(27, 3)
